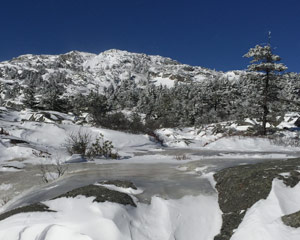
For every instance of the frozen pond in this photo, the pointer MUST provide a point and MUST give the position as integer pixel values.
(171, 180)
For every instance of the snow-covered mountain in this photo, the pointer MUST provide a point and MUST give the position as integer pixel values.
(176, 185)
(80, 72)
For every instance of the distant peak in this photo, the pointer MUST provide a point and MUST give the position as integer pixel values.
(117, 51)
(75, 52)
(114, 50)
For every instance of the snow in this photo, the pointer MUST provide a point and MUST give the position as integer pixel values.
(5, 187)
(14, 152)
(200, 78)
(163, 81)
(76, 158)
(186, 218)
(231, 76)
(189, 138)
(285, 174)
(46, 134)
(190, 217)
(253, 155)
(8, 169)
(186, 137)
(263, 220)
(51, 137)
(120, 189)
(87, 71)
(205, 137)
(248, 144)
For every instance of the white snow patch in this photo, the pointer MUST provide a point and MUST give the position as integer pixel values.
(8, 169)
(120, 189)
(285, 175)
(14, 152)
(163, 81)
(231, 76)
(5, 187)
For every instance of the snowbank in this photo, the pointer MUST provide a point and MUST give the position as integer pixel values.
(50, 137)
(248, 144)
(206, 138)
(263, 220)
(82, 219)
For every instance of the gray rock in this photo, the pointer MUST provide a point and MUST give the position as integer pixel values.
(292, 220)
(101, 194)
(36, 207)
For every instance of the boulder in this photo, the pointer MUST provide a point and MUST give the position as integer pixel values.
(101, 194)
(292, 220)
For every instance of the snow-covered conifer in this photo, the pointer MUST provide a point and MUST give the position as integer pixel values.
(266, 80)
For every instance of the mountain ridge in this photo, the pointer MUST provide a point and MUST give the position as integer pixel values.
(82, 72)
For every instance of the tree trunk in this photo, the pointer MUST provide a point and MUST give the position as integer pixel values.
(265, 104)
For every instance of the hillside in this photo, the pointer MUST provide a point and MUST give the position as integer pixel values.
(79, 72)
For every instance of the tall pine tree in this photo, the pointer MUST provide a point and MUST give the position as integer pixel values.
(266, 81)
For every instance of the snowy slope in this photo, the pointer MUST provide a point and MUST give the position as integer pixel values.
(50, 136)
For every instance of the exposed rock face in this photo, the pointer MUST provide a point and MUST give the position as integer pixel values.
(297, 123)
(292, 220)
(240, 187)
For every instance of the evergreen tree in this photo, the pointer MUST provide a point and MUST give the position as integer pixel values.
(1, 92)
(97, 106)
(266, 81)
(52, 97)
(29, 95)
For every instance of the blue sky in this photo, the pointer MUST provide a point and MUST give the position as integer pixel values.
(212, 33)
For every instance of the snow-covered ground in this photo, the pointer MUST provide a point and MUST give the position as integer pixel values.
(82, 219)
(48, 135)
(191, 216)
(218, 137)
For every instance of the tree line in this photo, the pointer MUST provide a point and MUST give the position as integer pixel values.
(262, 93)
